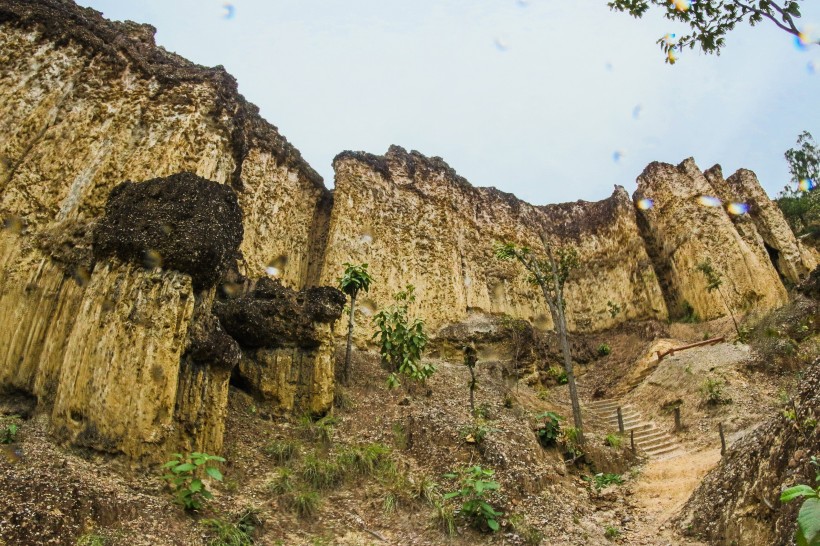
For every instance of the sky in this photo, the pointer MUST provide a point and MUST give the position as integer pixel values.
(552, 100)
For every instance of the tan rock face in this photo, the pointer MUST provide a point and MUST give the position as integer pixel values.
(415, 221)
(682, 230)
(138, 361)
(86, 104)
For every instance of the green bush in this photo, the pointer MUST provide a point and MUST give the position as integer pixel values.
(568, 438)
(402, 340)
(475, 483)
(604, 349)
(712, 392)
(808, 519)
(476, 432)
(8, 434)
(550, 429)
(602, 480)
(321, 473)
(186, 481)
(613, 440)
(283, 483)
(558, 374)
(611, 533)
(444, 518)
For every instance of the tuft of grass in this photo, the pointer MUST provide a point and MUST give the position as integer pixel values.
(531, 535)
(712, 392)
(227, 533)
(390, 502)
(282, 451)
(305, 504)
(444, 518)
(604, 349)
(320, 430)
(611, 533)
(613, 440)
(399, 436)
(91, 539)
(363, 460)
(321, 473)
(342, 399)
(283, 483)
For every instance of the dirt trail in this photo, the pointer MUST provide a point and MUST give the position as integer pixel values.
(660, 491)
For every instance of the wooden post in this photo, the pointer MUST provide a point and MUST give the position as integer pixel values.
(632, 441)
(677, 419)
(620, 421)
(722, 440)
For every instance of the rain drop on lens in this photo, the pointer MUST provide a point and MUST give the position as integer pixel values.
(645, 203)
(737, 208)
(709, 201)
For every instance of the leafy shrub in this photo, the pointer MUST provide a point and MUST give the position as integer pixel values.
(568, 439)
(483, 411)
(712, 392)
(611, 533)
(8, 434)
(402, 340)
(282, 451)
(602, 480)
(550, 429)
(476, 432)
(185, 478)
(613, 440)
(613, 309)
(475, 482)
(808, 519)
(604, 349)
(558, 374)
(689, 315)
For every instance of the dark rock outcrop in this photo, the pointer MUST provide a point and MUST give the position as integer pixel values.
(182, 222)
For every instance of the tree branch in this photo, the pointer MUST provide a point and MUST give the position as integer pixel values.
(791, 29)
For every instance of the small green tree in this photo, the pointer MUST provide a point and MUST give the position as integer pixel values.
(402, 340)
(185, 478)
(800, 201)
(475, 482)
(714, 280)
(550, 273)
(711, 20)
(808, 519)
(355, 279)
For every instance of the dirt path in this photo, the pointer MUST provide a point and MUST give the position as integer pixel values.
(660, 492)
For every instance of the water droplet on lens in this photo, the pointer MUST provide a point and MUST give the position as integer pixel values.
(709, 201)
(737, 208)
(645, 203)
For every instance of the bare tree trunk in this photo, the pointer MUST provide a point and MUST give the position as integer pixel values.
(350, 324)
(726, 303)
(472, 391)
(557, 309)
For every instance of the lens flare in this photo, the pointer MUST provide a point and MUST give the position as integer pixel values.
(228, 11)
(737, 209)
(709, 201)
(806, 184)
(272, 270)
(682, 5)
(618, 155)
(645, 203)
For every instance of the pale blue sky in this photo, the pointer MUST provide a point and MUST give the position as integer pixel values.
(540, 117)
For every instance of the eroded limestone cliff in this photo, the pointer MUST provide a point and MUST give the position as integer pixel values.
(148, 209)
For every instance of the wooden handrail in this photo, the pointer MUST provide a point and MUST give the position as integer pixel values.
(673, 350)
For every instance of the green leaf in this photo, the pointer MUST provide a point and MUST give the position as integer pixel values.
(170, 464)
(214, 473)
(801, 490)
(454, 494)
(216, 458)
(492, 524)
(187, 467)
(196, 486)
(207, 494)
(808, 522)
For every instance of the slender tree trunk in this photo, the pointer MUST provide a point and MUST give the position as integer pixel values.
(557, 309)
(472, 391)
(350, 324)
(726, 303)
